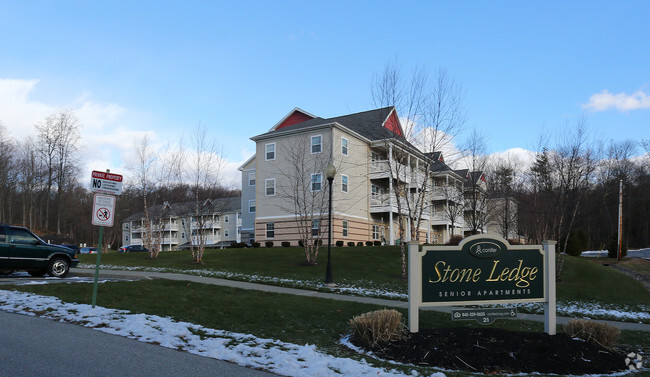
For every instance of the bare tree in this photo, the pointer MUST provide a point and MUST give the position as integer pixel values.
(475, 196)
(7, 176)
(201, 168)
(432, 114)
(58, 137)
(143, 171)
(28, 172)
(304, 193)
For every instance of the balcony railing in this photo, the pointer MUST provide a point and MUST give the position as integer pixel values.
(381, 169)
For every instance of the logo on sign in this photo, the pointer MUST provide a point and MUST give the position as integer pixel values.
(485, 250)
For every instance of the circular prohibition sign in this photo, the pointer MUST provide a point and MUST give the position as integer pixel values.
(103, 214)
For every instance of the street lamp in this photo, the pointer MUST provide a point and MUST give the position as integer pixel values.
(330, 172)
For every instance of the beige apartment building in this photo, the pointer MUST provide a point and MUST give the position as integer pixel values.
(378, 173)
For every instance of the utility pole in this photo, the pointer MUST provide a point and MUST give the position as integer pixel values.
(620, 219)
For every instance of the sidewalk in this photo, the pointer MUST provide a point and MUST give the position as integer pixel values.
(307, 293)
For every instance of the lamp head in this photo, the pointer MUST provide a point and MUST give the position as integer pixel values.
(330, 171)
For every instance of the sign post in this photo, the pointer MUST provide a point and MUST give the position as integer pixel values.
(103, 183)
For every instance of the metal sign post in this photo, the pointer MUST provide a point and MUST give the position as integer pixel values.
(103, 210)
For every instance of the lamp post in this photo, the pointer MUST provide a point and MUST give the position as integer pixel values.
(330, 172)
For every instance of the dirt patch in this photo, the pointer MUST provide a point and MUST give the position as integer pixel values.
(492, 350)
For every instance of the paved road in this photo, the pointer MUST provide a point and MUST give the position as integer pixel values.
(34, 346)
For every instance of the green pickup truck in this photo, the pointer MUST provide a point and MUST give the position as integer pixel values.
(21, 249)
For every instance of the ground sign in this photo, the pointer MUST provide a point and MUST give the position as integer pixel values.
(481, 270)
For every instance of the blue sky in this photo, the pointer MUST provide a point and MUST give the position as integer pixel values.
(160, 68)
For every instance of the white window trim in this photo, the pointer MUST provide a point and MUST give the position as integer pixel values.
(317, 228)
(266, 230)
(249, 179)
(347, 148)
(347, 185)
(311, 182)
(345, 228)
(266, 186)
(249, 206)
(311, 144)
(266, 153)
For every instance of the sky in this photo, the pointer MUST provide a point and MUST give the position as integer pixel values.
(161, 69)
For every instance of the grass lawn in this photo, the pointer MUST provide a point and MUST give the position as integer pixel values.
(373, 268)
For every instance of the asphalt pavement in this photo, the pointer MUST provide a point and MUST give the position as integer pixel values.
(34, 346)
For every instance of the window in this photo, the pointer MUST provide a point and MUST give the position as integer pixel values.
(344, 146)
(225, 233)
(21, 236)
(2, 238)
(226, 219)
(376, 191)
(251, 179)
(269, 185)
(344, 183)
(316, 144)
(251, 206)
(316, 182)
(375, 232)
(345, 228)
(270, 230)
(375, 156)
(183, 235)
(270, 151)
(315, 228)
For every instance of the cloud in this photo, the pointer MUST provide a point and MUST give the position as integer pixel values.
(17, 111)
(622, 101)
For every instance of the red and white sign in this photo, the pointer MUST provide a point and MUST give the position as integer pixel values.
(106, 183)
(103, 210)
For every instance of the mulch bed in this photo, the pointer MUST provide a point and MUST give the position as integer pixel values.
(492, 350)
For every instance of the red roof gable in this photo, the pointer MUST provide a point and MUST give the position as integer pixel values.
(392, 123)
(295, 117)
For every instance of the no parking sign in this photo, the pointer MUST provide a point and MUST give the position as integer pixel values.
(103, 210)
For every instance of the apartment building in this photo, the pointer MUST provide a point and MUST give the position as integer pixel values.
(176, 225)
(379, 175)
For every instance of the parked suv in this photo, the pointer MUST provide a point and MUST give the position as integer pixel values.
(21, 249)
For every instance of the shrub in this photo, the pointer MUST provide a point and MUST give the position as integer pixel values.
(255, 244)
(351, 243)
(377, 243)
(359, 243)
(592, 331)
(301, 243)
(454, 240)
(378, 328)
(339, 243)
(612, 248)
(368, 243)
(286, 243)
(577, 242)
(268, 243)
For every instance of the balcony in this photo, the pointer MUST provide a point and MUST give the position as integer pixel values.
(380, 169)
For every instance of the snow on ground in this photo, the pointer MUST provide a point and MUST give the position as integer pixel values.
(247, 350)
(637, 313)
